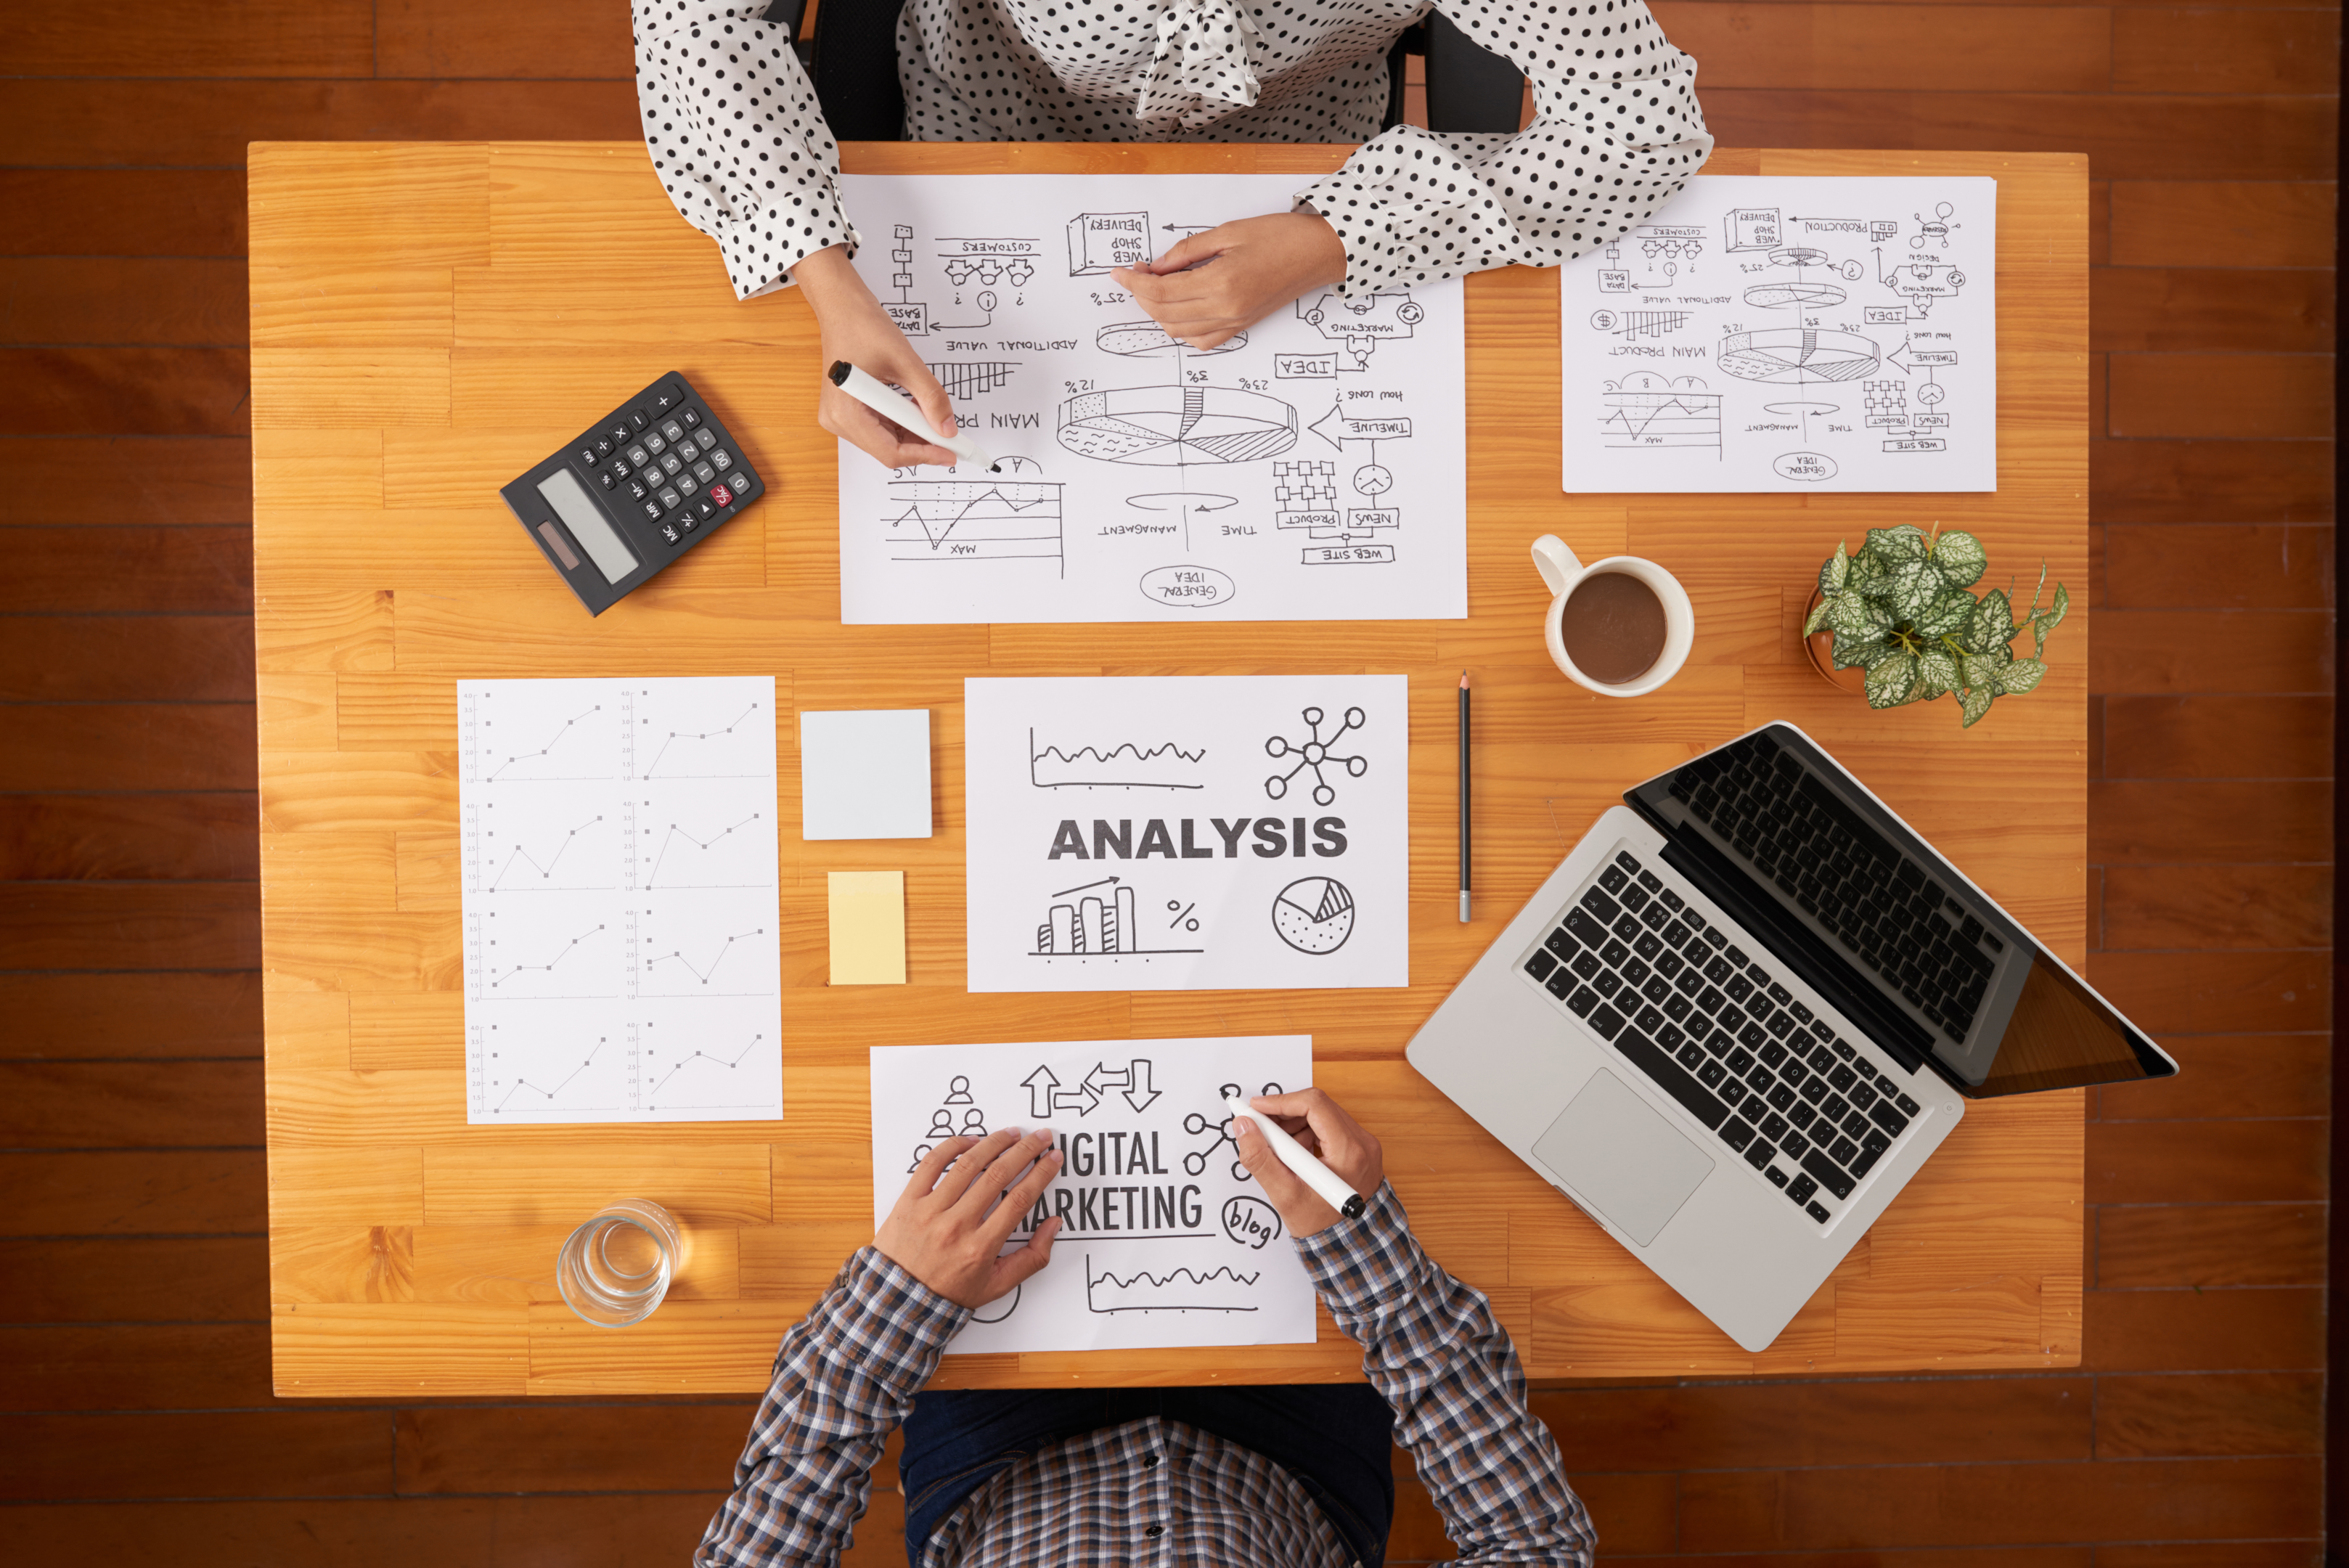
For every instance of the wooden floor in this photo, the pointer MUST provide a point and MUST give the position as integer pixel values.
(135, 1414)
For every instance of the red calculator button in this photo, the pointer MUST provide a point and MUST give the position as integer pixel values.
(720, 495)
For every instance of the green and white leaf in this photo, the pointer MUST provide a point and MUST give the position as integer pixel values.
(1949, 614)
(1892, 681)
(1861, 650)
(1915, 585)
(1833, 573)
(1857, 616)
(1959, 558)
(1981, 669)
(1904, 543)
(1993, 622)
(2020, 677)
(1819, 613)
(2047, 621)
(1973, 703)
(1937, 668)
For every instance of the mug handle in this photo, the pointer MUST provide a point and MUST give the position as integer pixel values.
(1557, 564)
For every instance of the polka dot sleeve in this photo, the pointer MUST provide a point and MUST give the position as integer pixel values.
(735, 133)
(1616, 132)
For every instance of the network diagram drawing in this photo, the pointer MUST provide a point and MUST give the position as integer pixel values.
(618, 862)
(1767, 333)
(1163, 1238)
(1312, 467)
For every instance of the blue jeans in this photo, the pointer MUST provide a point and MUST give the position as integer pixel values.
(1337, 1439)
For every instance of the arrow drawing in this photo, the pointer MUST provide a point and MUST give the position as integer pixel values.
(1134, 1080)
(1045, 1095)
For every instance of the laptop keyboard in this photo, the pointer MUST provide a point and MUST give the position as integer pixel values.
(1880, 905)
(1713, 1028)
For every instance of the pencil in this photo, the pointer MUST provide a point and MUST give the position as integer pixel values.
(1464, 796)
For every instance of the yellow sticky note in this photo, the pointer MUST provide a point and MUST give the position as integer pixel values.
(868, 928)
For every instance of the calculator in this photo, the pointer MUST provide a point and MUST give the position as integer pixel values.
(652, 479)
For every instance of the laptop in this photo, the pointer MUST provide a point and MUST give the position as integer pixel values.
(1744, 1010)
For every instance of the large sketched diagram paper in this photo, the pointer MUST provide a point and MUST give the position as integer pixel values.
(1165, 1239)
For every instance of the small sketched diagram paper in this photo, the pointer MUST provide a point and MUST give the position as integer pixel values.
(1776, 333)
(1172, 833)
(1312, 467)
(622, 960)
(1166, 1239)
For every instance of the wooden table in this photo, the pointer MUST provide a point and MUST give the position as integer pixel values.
(428, 319)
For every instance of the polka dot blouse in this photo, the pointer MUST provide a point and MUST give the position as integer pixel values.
(740, 144)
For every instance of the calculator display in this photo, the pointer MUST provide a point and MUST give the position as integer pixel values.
(580, 514)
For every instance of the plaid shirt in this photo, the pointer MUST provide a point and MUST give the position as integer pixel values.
(848, 1372)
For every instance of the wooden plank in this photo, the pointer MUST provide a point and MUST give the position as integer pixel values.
(135, 1193)
(130, 1015)
(142, 837)
(382, 1186)
(295, 713)
(211, 1453)
(326, 1350)
(2157, 651)
(706, 1185)
(2158, 1246)
(2222, 395)
(425, 202)
(2190, 1330)
(2219, 567)
(2211, 309)
(124, 212)
(2166, 222)
(497, 1263)
(2182, 819)
(339, 949)
(1934, 48)
(183, 390)
(2182, 51)
(312, 1263)
(259, 38)
(107, 300)
(138, 568)
(2226, 1162)
(195, 481)
(610, 1447)
(149, 1367)
(323, 631)
(685, 1348)
(146, 1279)
(142, 659)
(324, 389)
(351, 305)
(2234, 1075)
(2218, 907)
(132, 926)
(373, 792)
(528, 40)
(408, 1029)
(2276, 736)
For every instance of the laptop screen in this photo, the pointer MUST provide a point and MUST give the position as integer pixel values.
(1875, 917)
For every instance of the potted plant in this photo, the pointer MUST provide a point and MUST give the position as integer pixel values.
(1904, 612)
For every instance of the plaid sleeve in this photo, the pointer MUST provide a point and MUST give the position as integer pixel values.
(846, 1375)
(1432, 1347)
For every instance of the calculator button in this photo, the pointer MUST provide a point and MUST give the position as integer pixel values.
(671, 429)
(637, 420)
(704, 472)
(611, 481)
(590, 456)
(664, 400)
(704, 510)
(692, 418)
(723, 458)
(669, 500)
(638, 455)
(618, 434)
(720, 495)
(671, 532)
(620, 469)
(671, 465)
(652, 511)
(653, 442)
(688, 450)
(639, 491)
(602, 446)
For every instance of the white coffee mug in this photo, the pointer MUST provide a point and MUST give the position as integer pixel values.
(1563, 571)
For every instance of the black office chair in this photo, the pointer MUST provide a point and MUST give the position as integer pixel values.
(853, 61)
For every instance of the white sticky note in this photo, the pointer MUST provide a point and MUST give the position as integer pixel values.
(868, 927)
(866, 774)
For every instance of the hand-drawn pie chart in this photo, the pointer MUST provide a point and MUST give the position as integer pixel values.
(1793, 295)
(1314, 914)
(1163, 426)
(1798, 355)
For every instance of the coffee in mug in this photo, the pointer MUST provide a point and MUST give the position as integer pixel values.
(1613, 626)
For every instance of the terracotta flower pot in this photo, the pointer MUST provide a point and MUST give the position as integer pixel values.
(1820, 646)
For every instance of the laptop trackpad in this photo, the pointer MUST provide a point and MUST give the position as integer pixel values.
(1623, 1158)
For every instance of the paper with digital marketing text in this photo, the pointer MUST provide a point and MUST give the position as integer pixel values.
(1311, 467)
(1165, 1239)
(1169, 833)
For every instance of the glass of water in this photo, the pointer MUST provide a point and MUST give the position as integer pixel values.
(616, 1269)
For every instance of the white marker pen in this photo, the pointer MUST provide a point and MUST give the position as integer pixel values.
(1294, 1155)
(892, 404)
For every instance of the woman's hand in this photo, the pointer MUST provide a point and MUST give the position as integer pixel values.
(1328, 1133)
(947, 1229)
(1212, 285)
(855, 328)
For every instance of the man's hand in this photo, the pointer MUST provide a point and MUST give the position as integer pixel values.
(855, 328)
(947, 1227)
(1315, 1120)
(1251, 268)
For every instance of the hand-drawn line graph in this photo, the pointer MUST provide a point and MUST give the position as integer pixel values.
(706, 753)
(531, 765)
(1177, 1289)
(1650, 411)
(692, 858)
(1105, 924)
(507, 972)
(1126, 765)
(970, 378)
(544, 882)
(707, 1068)
(974, 519)
(546, 1093)
(706, 962)
(1313, 752)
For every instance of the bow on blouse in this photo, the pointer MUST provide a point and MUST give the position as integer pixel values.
(1202, 67)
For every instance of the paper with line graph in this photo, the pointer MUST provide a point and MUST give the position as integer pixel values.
(619, 861)
(1313, 467)
(1164, 1238)
(1787, 333)
(1187, 833)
